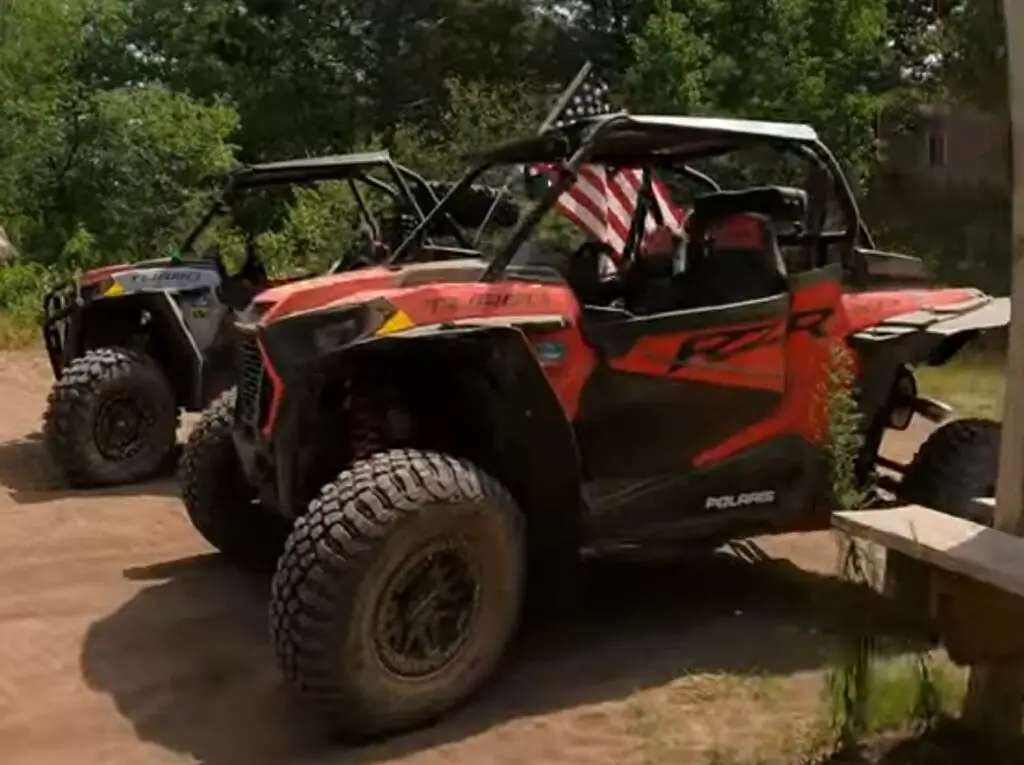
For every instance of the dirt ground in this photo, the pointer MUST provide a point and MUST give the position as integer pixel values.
(124, 640)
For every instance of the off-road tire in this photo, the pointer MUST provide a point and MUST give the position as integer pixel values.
(220, 502)
(955, 464)
(73, 404)
(341, 557)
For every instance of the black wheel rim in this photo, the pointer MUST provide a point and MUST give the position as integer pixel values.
(427, 611)
(121, 425)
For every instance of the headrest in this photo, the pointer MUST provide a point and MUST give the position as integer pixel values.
(743, 231)
(661, 240)
(779, 203)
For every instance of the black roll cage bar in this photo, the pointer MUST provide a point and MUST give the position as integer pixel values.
(237, 183)
(568, 171)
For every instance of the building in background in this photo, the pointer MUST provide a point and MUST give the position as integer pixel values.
(942, 191)
(958, 146)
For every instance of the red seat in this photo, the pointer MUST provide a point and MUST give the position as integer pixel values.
(661, 241)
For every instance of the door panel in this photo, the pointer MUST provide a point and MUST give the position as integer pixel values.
(816, 296)
(671, 386)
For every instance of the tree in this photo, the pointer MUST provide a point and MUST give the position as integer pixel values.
(92, 173)
(319, 75)
(794, 60)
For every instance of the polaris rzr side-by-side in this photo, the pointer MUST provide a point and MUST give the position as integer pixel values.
(411, 446)
(133, 344)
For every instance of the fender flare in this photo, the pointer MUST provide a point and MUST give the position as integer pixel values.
(534, 453)
(178, 350)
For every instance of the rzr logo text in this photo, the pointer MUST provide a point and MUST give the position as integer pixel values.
(720, 345)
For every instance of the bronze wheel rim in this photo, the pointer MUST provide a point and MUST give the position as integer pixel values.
(427, 611)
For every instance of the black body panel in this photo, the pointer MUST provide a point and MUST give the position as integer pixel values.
(893, 270)
(676, 507)
(614, 332)
(638, 426)
(477, 391)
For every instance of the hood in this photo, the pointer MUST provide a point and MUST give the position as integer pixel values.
(94, 275)
(323, 291)
(99, 274)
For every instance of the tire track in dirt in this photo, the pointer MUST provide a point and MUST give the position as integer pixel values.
(124, 640)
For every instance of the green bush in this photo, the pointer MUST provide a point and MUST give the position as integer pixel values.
(22, 286)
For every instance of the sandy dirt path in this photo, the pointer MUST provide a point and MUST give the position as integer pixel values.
(124, 640)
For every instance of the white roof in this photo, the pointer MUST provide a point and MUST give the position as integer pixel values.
(791, 131)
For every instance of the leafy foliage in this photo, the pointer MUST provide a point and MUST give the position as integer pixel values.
(92, 174)
(800, 60)
(118, 118)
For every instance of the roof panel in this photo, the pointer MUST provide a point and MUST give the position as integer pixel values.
(631, 138)
(310, 169)
(789, 131)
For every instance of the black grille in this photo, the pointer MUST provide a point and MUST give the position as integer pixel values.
(251, 382)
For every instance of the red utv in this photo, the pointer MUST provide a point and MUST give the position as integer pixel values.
(412, 443)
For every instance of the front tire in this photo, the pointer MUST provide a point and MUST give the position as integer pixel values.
(957, 463)
(399, 591)
(221, 503)
(110, 419)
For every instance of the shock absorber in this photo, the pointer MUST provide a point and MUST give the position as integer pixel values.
(365, 435)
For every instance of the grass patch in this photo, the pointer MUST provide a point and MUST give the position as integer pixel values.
(892, 699)
(973, 386)
(891, 709)
(16, 335)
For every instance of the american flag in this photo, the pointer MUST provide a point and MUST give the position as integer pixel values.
(603, 200)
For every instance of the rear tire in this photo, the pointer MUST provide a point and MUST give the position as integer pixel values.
(110, 419)
(221, 503)
(349, 574)
(955, 464)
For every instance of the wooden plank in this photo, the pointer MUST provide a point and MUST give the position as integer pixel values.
(944, 541)
(995, 691)
(977, 623)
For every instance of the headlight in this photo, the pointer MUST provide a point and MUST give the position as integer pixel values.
(295, 340)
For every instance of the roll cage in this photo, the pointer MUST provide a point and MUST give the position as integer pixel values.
(668, 145)
(376, 170)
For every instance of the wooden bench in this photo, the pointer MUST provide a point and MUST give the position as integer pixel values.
(957, 578)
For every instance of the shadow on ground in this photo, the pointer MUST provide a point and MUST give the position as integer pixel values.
(29, 476)
(187, 659)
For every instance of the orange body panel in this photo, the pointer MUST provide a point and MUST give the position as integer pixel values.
(308, 294)
(865, 309)
(770, 355)
(808, 358)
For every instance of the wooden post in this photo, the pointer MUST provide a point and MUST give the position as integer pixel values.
(995, 694)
